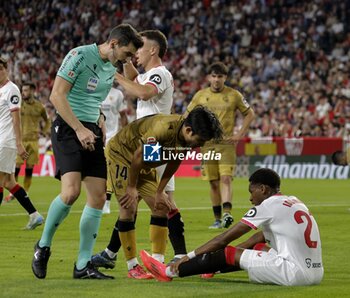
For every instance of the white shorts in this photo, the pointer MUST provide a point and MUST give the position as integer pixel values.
(171, 184)
(8, 160)
(269, 268)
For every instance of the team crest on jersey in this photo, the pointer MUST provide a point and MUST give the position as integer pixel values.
(251, 213)
(155, 79)
(151, 140)
(74, 52)
(92, 84)
(14, 99)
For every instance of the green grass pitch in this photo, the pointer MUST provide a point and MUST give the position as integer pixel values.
(328, 200)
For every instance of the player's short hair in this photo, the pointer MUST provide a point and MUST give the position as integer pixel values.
(3, 61)
(266, 176)
(126, 34)
(204, 123)
(159, 38)
(30, 84)
(337, 156)
(218, 68)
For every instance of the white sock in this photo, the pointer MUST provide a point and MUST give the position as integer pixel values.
(34, 214)
(132, 263)
(179, 256)
(110, 253)
(169, 273)
(158, 257)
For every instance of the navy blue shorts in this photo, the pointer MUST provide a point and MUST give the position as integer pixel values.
(70, 156)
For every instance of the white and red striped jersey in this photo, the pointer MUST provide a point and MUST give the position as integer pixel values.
(10, 100)
(289, 228)
(162, 80)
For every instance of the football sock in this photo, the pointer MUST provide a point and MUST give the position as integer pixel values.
(217, 210)
(108, 196)
(227, 207)
(56, 214)
(127, 238)
(158, 231)
(27, 179)
(220, 260)
(260, 246)
(20, 194)
(114, 243)
(89, 225)
(17, 170)
(176, 232)
(110, 253)
(206, 263)
(1, 194)
(132, 263)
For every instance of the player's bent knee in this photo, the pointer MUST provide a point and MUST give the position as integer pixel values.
(70, 197)
(160, 213)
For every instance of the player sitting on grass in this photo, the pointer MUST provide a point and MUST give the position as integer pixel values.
(293, 257)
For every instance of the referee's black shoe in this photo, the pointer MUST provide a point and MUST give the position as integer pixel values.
(89, 272)
(40, 259)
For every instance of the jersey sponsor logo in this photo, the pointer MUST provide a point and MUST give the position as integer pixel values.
(251, 213)
(155, 79)
(310, 264)
(76, 65)
(92, 84)
(63, 66)
(14, 99)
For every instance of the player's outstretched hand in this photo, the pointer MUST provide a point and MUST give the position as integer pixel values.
(22, 152)
(174, 267)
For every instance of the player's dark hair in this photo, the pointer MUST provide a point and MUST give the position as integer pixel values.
(3, 61)
(204, 123)
(30, 84)
(266, 176)
(125, 34)
(159, 38)
(337, 156)
(218, 68)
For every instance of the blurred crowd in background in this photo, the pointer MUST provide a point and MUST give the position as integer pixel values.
(289, 58)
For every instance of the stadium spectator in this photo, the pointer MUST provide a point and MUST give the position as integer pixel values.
(78, 134)
(304, 46)
(287, 251)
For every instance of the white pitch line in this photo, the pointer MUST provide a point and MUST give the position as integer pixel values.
(188, 208)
